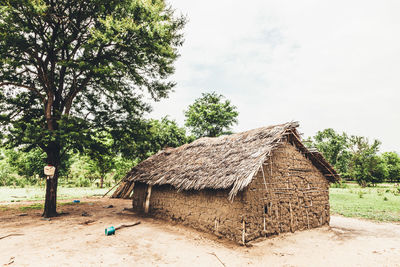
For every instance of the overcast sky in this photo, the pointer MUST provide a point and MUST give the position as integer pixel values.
(326, 64)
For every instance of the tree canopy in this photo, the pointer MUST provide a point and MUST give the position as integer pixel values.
(334, 147)
(355, 157)
(210, 115)
(68, 68)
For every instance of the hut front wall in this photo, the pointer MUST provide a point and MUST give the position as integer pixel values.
(288, 194)
(207, 210)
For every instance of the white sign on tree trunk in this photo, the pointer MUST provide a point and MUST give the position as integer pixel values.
(49, 170)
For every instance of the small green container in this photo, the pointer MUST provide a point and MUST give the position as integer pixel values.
(110, 230)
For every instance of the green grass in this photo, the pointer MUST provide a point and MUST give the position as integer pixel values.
(381, 203)
(4, 208)
(35, 206)
(39, 206)
(11, 194)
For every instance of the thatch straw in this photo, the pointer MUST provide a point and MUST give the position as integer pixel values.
(226, 162)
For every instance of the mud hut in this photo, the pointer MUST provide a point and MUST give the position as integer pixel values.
(241, 186)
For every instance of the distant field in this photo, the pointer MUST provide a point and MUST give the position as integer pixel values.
(381, 203)
(10, 194)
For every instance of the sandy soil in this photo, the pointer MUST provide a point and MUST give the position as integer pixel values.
(76, 240)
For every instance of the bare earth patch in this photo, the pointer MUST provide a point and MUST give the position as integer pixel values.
(76, 240)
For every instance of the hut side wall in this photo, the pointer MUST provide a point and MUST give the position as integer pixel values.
(294, 196)
(207, 210)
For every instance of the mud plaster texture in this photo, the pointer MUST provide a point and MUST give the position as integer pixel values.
(287, 194)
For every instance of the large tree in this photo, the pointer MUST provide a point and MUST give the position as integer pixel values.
(366, 166)
(334, 147)
(392, 161)
(68, 68)
(211, 115)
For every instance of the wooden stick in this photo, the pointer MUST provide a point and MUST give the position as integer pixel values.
(114, 186)
(116, 191)
(124, 189)
(291, 218)
(128, 193)
(10, 235)
(264, 222)
(126, 225)
(216, 225)
(147, 203)
(243, 232)
(213, 253)
(265, 181)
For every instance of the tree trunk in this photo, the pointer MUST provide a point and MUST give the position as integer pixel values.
(101, 181)
(50, 205)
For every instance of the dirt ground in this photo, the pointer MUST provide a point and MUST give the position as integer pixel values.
(76, 240)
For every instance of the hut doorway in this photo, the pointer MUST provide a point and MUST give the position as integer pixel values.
(140, 199)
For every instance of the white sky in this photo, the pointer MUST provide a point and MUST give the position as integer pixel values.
(326, 64)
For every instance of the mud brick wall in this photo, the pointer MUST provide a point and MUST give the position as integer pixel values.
(288, 194)
(206, 210)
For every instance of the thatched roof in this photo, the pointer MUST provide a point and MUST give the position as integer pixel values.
(226, 162)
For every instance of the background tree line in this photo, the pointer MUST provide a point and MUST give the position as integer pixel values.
(356, 158)
(107, 159)
(102, 163)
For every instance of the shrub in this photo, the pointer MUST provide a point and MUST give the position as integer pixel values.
(339, 185)
(82, 182)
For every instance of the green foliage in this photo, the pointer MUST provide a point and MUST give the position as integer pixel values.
(365, 165)
(20, 168)
(83, 172)
(334, 147)
(82, 182)
(27, 164)
(70, 70)
(99, 163)
(392, 161)
(101, 154)
(122, 166)
(6, 171)
(116, 156)
(67, 68)
(154, 136)
(210, 116)
(339, 185)
(163, 134)
(356, 158)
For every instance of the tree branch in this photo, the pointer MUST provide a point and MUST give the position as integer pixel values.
(33, 89)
